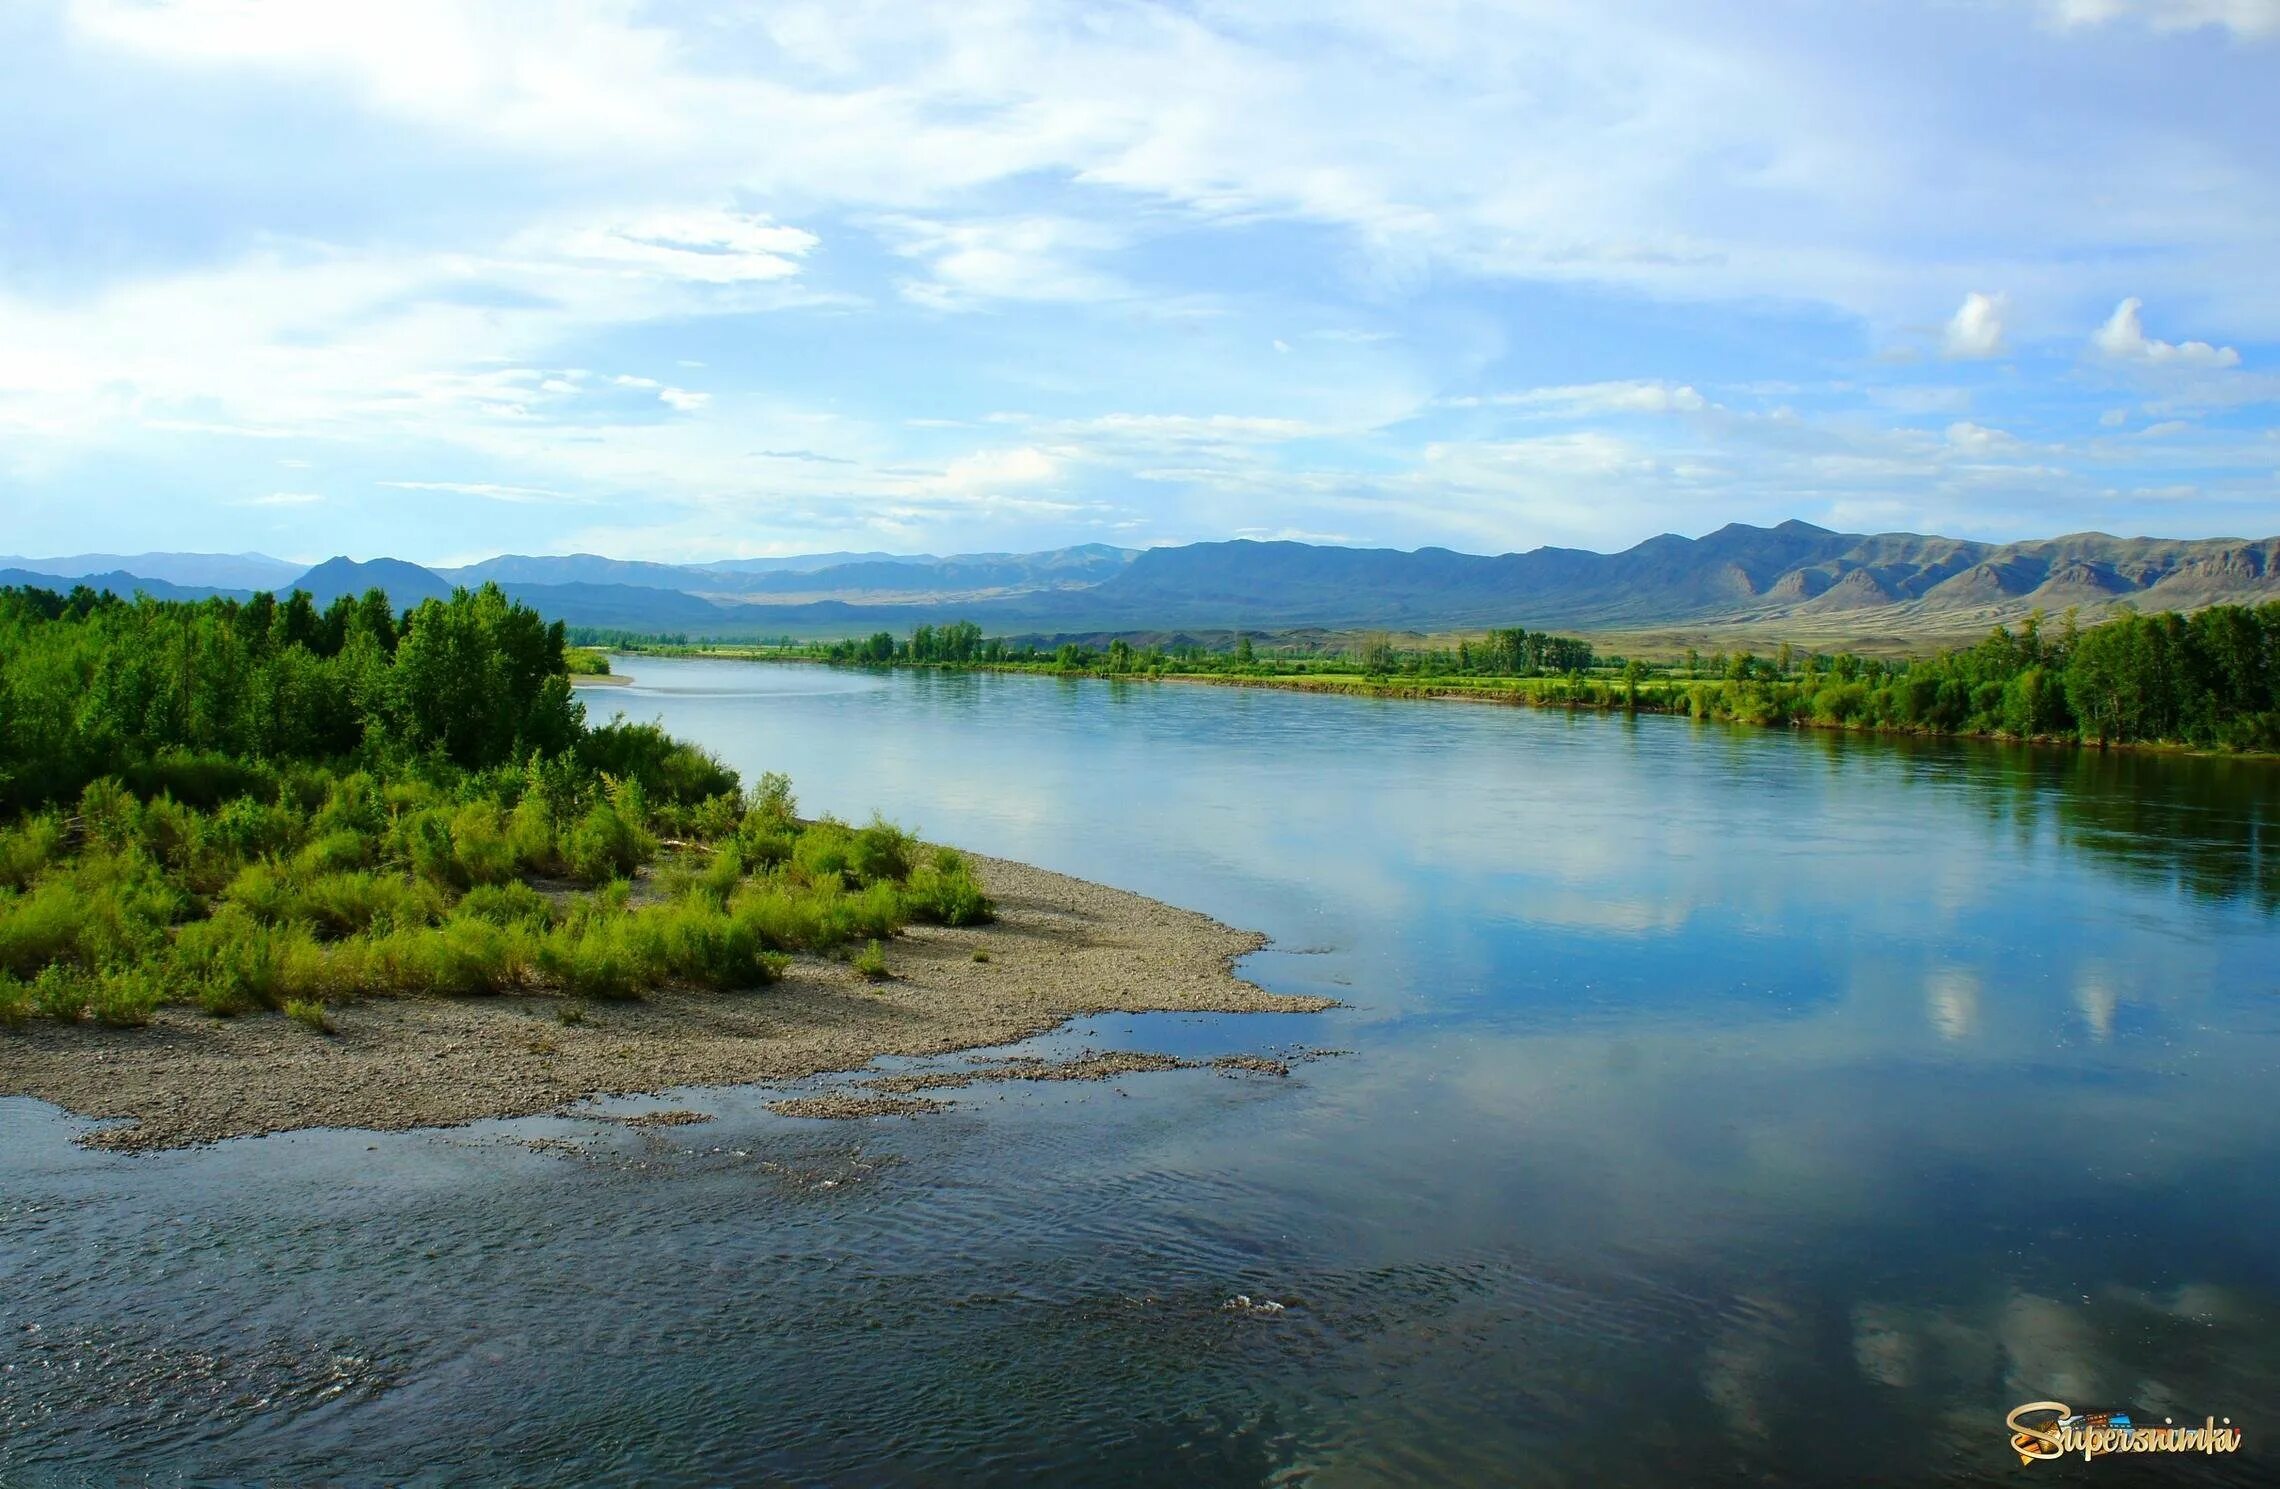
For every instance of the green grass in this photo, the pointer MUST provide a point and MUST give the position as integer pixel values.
(870, 963)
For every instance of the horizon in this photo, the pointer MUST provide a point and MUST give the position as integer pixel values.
(441, 567)
(498, 279)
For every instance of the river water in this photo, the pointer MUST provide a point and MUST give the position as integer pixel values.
(1714, 1106)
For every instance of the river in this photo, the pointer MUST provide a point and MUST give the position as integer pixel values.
(1709, 1105)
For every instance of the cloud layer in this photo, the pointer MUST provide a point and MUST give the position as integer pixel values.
(1012, 274)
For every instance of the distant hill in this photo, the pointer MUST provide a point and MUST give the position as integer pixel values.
(808, 562)
(125, 586)
(1794, 578)
(406, 584)
(218, 571)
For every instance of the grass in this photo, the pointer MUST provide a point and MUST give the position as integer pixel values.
(980, 955)
(870, 963)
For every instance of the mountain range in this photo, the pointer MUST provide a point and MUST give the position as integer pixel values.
(1794, 577)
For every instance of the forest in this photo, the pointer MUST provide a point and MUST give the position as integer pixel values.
(263, 806)
(2209, 680)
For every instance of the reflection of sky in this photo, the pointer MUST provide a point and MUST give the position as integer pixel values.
(1721, 1082)
(1688, 962)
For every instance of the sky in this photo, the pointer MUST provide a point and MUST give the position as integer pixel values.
(690, 281)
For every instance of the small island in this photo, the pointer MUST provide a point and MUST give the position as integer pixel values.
(358, 869)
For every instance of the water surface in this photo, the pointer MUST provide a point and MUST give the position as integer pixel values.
(1717, 1105)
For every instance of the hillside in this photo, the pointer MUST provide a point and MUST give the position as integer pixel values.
(1794, 580)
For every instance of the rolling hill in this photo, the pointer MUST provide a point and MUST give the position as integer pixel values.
(1794, 578)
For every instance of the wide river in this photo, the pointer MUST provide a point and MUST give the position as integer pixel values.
(1714, 1106)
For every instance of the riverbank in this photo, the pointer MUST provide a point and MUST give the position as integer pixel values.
(1061, 948)
(1774, 705)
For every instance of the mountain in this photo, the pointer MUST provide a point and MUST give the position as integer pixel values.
(578, 568)
(807, 562)
(406, 584)
(124, 585)
(1794, 578)
(976, 575)
(217, 571)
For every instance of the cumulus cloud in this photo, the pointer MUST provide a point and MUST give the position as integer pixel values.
(1978, 439)
(1976, 329)
(2123, 338)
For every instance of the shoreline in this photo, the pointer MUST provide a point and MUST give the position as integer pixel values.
(1347, 686)
(1062, 948)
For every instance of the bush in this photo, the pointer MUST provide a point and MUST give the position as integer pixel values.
(871, 963)
(881, 852)
(61, 993)
(947, 895)
(702, 944)
(27, 848)
(482, 852)
(605, 845)
(108, 908)
(235, 963)
(342, 848)
(126, 997)
(507, 904)
(593, 961)
(310, 1015)
(15, 1002)
(823, 854)
(671, 771)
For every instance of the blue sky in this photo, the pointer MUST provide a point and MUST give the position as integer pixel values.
(683, 281)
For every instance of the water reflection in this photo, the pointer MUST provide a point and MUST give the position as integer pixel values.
(1720, 1084)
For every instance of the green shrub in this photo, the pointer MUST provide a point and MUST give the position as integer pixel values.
(61, 993)
(126, 997)
(108, 907)
(27, 848)
(605, 844)
(507, 904)
(469, 957)
(482, 851)
(310, 1015)
(594, 961)
(342, 848)
(947, 896)
(15, 1002)
(696, 942)
(721, 875)
(422, 839)
(871, 963)
(530, 832)
(881, 852)
(823, 854)
(233, 962)
(666, 768)
(247, 828)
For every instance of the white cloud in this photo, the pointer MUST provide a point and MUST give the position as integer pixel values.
(2252, 18)
(683, 399)
(1638, 396)
(283, 499)
(705, 247)
(1976, 329)
(1978, 439)
(2123, 338)
(1022, 258)
(488, 490)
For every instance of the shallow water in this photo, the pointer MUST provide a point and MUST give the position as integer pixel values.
(1717, 1106)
